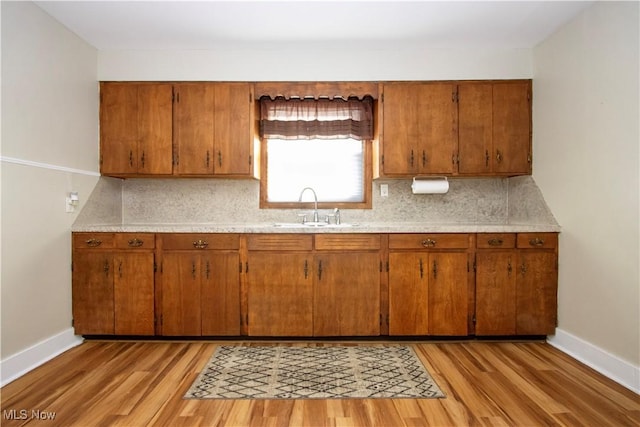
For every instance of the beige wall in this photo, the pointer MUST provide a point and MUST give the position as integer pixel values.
(586, 157)
(49, 122)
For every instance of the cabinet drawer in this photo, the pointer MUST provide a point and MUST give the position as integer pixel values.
(429, 241)
(93, 240)
(279, 242)
(190, 241)
(537, 240)
(347, 241)
(496, 240)
(135, 240)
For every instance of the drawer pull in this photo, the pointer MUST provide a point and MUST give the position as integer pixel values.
(495, 242)
(536, 242)
(135, 243)
(428, 243)
(93, 243)
(200, 244)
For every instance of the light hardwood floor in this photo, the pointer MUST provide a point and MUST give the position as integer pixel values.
(103, 383)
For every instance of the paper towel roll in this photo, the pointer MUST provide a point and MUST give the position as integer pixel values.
(430, 186)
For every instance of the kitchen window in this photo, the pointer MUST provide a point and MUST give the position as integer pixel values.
(322, 143)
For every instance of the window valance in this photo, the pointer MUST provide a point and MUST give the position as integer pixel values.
(322, 118)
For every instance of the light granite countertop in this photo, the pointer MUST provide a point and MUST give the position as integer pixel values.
(377, 227)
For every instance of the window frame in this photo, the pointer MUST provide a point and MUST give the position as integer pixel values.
(367, 152)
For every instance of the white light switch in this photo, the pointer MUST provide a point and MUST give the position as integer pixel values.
(384, 190)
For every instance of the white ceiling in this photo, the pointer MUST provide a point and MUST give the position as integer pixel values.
(123, 25)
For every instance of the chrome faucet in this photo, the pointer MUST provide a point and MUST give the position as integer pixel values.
(315, 198)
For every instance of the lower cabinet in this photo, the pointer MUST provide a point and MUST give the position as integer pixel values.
(429, 284)
(113, 284)
(199, 285)
(295, 291)
(315, 285)
(279, 272)
(347, 285)
(516, 284)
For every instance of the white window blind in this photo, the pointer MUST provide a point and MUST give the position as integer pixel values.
(333, 168)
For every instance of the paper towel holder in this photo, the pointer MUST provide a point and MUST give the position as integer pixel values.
(440, 184)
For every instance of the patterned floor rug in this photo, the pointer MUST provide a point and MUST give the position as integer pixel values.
(331, 372)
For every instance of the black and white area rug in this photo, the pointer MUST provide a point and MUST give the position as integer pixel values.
(332, 372)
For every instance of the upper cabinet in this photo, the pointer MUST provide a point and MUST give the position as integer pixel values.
(474, 128)
(494, 135)
(213, 129)
(419, 129)
(135, 129)
(468, 128)
(189, 129)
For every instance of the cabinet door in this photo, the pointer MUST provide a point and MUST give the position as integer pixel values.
(408, 297)
(512, 128)
(220, 293)
(155, 112)
(437, 133)
(448, 293)
(92, 287)
(181, 294)
(118, 128)
(280, 294)
(536, 297)
(495, 293)
(134, 293)
(347, 294)
(400, 129)
(475, 127)
(232, 128)
(194, 128)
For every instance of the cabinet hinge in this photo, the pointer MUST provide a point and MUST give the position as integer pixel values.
(240, 267)
(246, 267)
(380, 266)
(250, 160)
(382, 159)
(250, 98)
(155, 267)
(468, 267)
(382, 97)
(454, 96)
(473, 319)
(387, 266)
(474, 266)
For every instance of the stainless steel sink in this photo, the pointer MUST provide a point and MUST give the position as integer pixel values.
(312, 225)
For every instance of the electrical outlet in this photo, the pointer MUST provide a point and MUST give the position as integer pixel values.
(384, 190)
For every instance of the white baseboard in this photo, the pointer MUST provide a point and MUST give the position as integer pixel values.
(602, 361)
(17, 365)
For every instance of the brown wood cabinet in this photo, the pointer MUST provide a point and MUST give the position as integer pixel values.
(419, 128)
(190, 129)
(429, 284)
(347, 285)
(112, 284)
(322, 285)
(494, 127)
(199, 280)
(135, 129)
(213, 129)
(279, 274)
(516, 284)
(296, 291)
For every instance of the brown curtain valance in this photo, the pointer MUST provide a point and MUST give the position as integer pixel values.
(323, 118)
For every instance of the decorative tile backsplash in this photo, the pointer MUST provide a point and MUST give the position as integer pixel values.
(231, 201)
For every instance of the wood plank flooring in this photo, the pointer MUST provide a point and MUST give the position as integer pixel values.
(104, 383)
